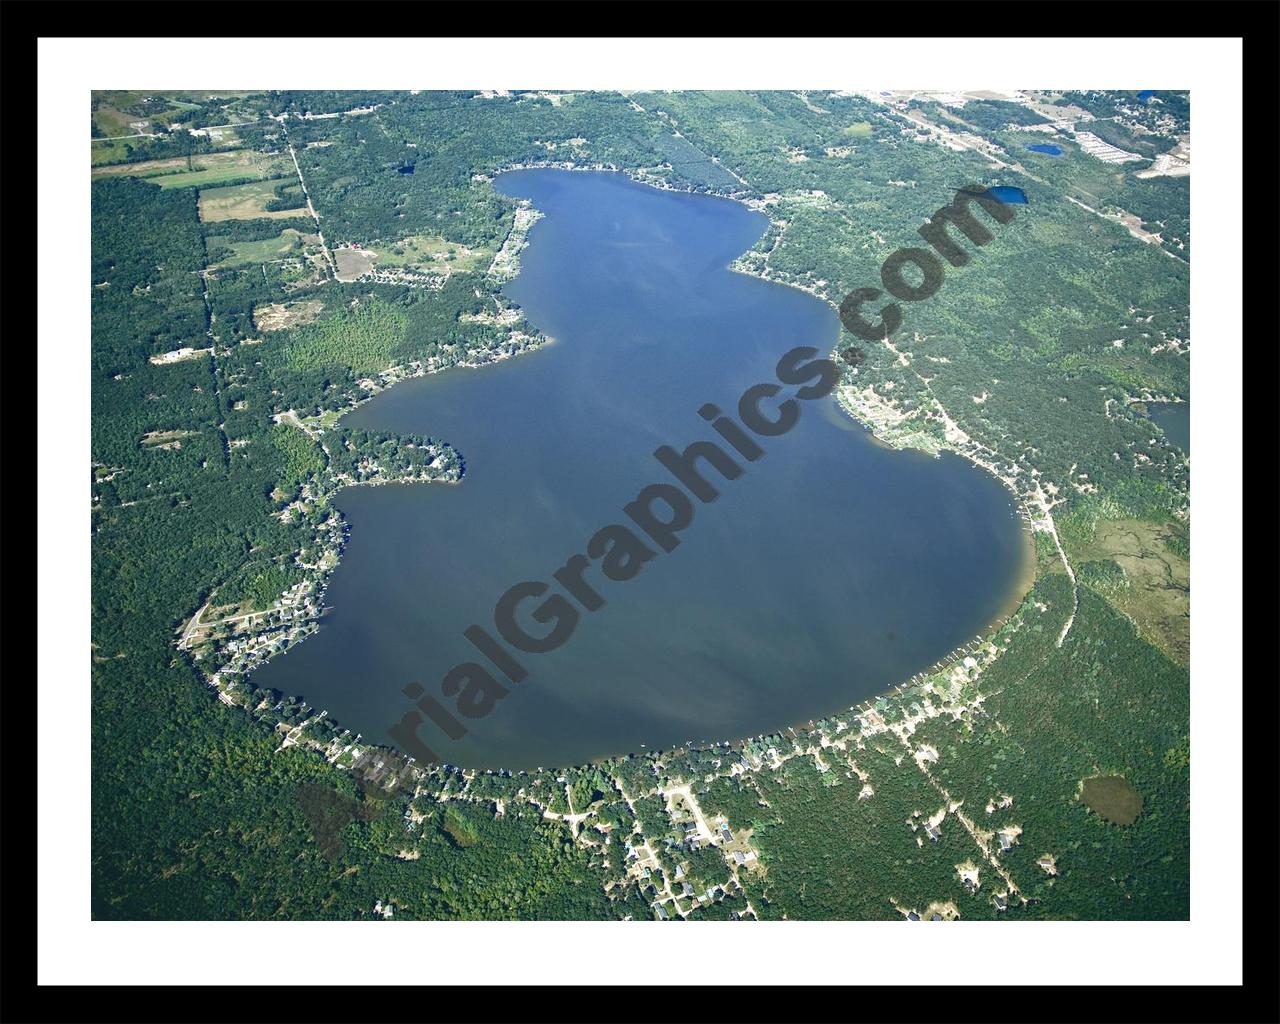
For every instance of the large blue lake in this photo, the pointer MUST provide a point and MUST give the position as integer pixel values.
(832, 569)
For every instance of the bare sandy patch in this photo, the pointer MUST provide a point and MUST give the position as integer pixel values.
(179, 355)
(279, 316)
(167, 439)
(352, 263)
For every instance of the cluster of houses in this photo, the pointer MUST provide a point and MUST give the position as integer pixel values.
(665, 906)
(405, 278)
(290, 619)
(1103, 151)
(675, 893)
(933, 912)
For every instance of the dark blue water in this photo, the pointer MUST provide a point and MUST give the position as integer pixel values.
(832, 569)
(1174, 418)
(1146, 95)
(1045, 147)
(1008, 194)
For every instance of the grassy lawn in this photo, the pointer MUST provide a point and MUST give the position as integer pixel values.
(263, 250)
(246, 163)
(432, 253)
(325, 421)
(106, 152)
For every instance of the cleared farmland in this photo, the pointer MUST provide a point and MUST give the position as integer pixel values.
(431, 252)
(204, 168)
(263, 250)
(244, 202)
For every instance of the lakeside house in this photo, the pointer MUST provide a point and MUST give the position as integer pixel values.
(1008, 837)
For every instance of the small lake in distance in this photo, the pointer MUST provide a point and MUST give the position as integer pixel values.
(1174, 418)
(831, 570)
(1010, 194)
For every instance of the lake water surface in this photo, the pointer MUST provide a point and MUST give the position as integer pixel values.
(832, 569)
(1174, 418)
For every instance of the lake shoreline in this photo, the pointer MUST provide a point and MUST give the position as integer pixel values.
(1027, 571)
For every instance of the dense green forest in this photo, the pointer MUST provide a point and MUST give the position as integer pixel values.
(195, 806)
(1037, 736)
(1055, 380)
(213, 474)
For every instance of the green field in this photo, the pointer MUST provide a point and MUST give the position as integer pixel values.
(181, 172)
(105, 152)
(202, 169)
(262, 250)
(242, 202)
(245, 164)
(115, 111)
(431, 252)
(154, 168)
